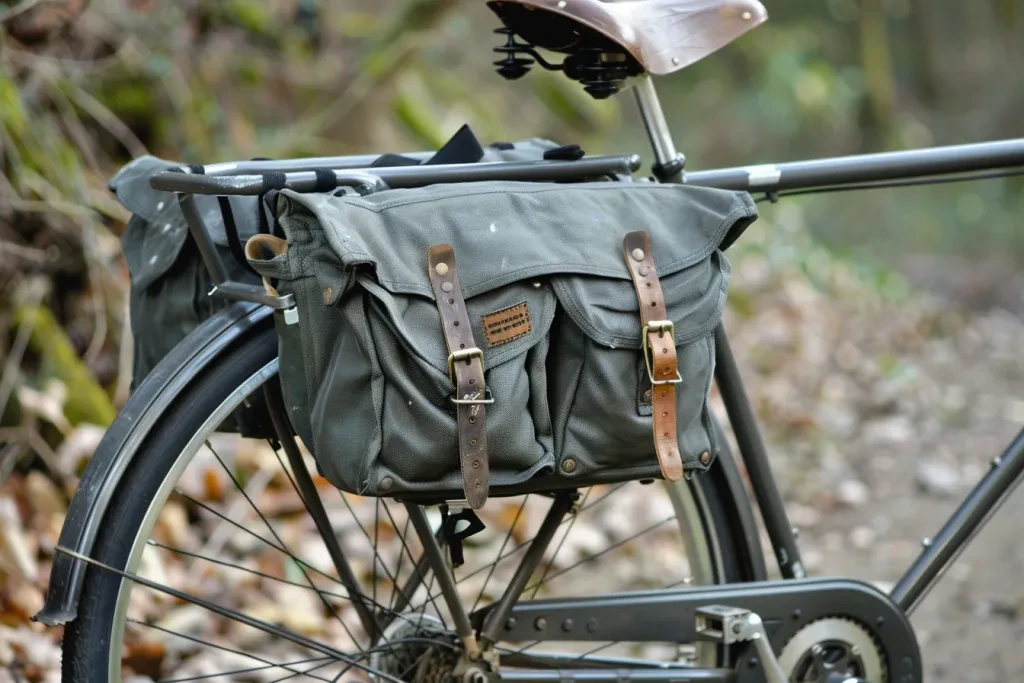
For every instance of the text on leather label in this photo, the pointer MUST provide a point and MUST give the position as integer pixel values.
(503, 326)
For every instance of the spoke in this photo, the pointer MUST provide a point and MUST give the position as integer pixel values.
(551, 562)
(376, 556)
(494, 565)
(284, 665)
(612, 547)
(235, 615)
(393, 601)
(266, 522)
(306, 489)
(433, 600)
(597, 649)
(359, 523)
(252, 533)
(207, 643)
(521, 546)
(306, 673)
(239, 567)
(405, 550)
(521, 659)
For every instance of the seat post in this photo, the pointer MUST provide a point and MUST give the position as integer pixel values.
(668, 166)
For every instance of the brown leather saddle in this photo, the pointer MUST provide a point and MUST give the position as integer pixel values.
(663, 36)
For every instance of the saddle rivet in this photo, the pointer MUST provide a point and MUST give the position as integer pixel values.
(386, 483)
(705, 458)
(569, 466)
(446, 286)
(441, 269)
(638, 254)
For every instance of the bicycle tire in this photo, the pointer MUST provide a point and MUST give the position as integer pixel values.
(87, 639)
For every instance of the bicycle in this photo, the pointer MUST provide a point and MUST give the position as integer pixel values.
(714, 617)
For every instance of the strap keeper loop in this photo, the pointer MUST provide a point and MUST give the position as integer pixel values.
(661, 327)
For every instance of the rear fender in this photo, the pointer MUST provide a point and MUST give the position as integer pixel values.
(120, 444)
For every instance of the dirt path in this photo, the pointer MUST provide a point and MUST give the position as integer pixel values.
(882, 416)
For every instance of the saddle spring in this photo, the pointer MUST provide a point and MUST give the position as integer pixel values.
(601, 69)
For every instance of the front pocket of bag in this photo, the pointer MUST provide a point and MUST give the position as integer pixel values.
(604, 427)
(400, 431)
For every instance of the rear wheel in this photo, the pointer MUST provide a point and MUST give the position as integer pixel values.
(232, 526)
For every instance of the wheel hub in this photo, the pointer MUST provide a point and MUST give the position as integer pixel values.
(416, 647)
(833, 648)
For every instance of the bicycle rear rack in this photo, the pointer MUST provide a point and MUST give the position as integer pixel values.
(325, 174)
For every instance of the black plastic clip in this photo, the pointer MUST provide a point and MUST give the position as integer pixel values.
(454, 536)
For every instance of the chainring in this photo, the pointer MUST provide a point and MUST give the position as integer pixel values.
(830, 646)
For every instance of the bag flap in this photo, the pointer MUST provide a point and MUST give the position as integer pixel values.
(152, 246)
(507, 231)
(606, 309)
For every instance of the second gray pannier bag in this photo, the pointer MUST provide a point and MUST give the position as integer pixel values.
(557, 285)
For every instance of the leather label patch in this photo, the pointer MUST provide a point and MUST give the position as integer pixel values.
(503, 326)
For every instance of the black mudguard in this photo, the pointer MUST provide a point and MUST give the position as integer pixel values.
(196, 353)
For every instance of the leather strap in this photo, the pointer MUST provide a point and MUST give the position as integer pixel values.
(466, 365)
(659, 351)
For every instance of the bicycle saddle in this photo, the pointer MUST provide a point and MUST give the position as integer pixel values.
(662, 35)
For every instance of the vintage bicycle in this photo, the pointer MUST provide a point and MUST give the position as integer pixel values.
(423, 589)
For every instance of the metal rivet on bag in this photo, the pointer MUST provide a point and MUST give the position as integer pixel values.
(569, 466)
(386, 483)
(476, 464)
(536, 285)
(446, 286)
(328, 295)
(705, 458)
(647, 396)
(638, 254)
(643, 271)
(441, 268)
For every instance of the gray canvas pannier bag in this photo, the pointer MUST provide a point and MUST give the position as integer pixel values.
(170, 285)
(502, 337)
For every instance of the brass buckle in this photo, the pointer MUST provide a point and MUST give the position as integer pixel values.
(487, 400)
(658, 326)
(463, 354)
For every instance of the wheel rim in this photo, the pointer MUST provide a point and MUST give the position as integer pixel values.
(687, 501)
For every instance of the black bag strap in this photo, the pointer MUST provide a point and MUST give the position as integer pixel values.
(231, 229)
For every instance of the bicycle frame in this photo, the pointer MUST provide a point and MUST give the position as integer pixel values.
(862, 171)
(940, 164)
